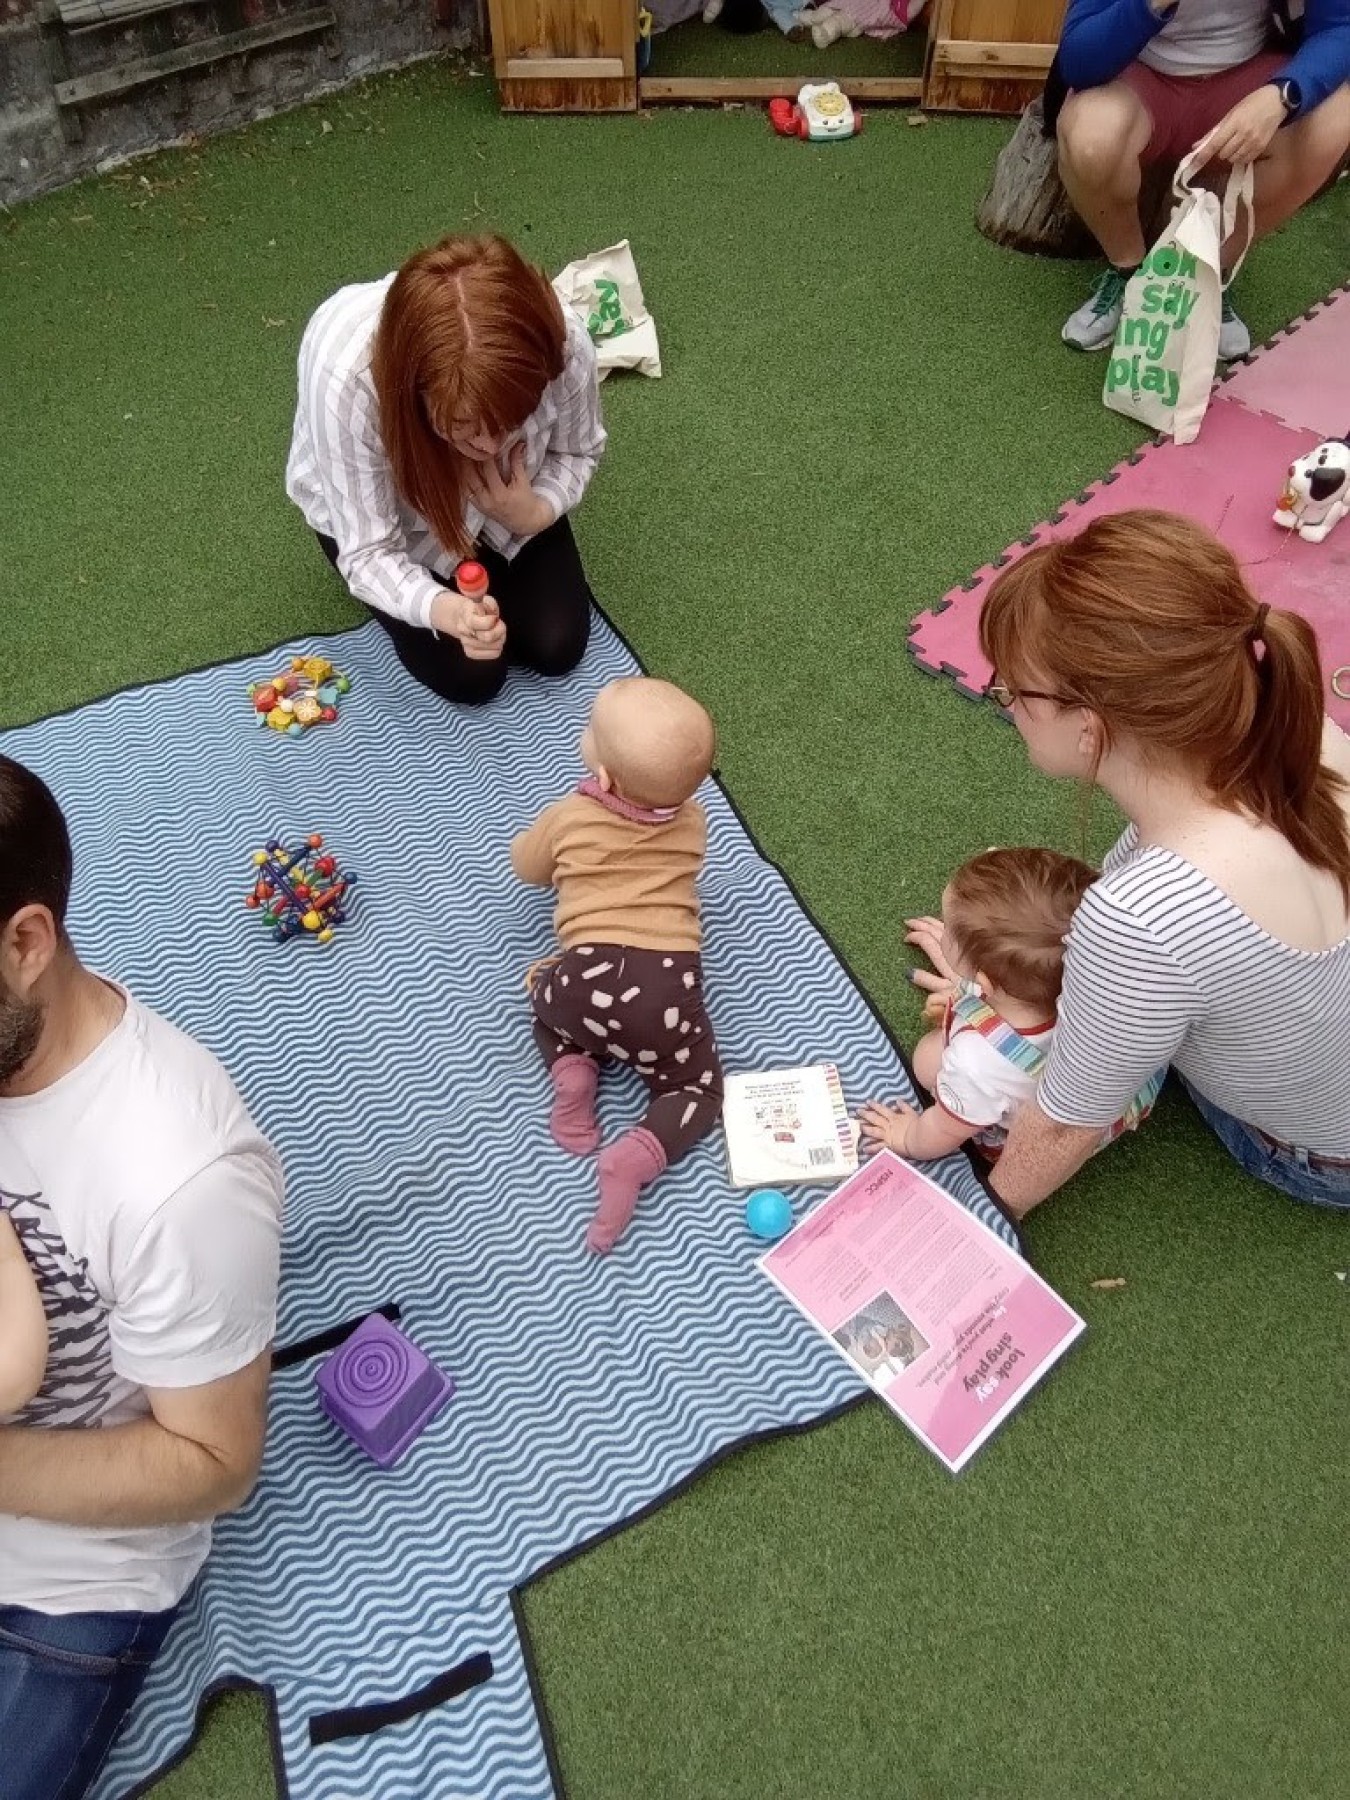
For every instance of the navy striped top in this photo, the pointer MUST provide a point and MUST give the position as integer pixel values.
(1163, 967)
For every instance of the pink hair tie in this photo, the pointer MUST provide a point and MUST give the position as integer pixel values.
(1256, 636)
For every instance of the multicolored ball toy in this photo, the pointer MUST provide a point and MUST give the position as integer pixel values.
(306, 694)
(300, 892)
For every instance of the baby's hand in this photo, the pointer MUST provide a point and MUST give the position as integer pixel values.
(886, 1127)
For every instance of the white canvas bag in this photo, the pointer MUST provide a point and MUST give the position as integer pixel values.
(605, 292)
(1161, 366)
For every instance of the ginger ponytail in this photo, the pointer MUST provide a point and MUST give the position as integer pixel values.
(1144, 618)
(1276, 772)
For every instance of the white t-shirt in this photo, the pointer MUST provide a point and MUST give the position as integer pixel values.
(1205, 37)
(149, 1207)
(978, 1085)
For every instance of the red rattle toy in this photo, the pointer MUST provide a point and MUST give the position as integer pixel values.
(471, 578)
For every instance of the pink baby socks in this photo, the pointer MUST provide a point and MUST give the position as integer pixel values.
(625, 1169)
(572, 1120)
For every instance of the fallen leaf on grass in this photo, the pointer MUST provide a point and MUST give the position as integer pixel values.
(916, 118)
(1110, 1281)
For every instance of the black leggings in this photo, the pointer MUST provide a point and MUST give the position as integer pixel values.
(545, 603)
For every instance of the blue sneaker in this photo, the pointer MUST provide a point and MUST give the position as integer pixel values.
(1093, 326)
(1234, 338)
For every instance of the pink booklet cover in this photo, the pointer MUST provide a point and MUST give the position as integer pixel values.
(948, 1325)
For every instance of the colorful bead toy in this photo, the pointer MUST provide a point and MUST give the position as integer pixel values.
(299, 892)
(306, 694)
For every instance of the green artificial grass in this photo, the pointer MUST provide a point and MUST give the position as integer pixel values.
(1139, 1588)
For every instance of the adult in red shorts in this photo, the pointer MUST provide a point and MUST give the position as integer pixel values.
(1147, 80)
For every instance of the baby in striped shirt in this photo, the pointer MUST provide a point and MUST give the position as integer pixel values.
(1005, 916)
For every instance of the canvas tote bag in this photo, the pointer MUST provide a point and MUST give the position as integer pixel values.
(605, 292)
(1161, 366)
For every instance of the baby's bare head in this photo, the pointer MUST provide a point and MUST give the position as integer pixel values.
(1009, 912)
(654, 742)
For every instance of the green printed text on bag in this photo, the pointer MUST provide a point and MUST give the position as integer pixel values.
(607, 320)
(1162, 361)
(1166, 303)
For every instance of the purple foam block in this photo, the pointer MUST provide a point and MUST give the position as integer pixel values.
(381, 1390)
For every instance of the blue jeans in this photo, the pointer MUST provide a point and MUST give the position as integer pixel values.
(1292, 1171)
(66, 1684)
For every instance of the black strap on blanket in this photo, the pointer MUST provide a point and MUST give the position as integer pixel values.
(361, 1721)
(330, 1339)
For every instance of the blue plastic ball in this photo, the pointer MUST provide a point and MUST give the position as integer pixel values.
(767, 1213)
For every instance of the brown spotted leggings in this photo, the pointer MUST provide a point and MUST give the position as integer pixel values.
(643, 1008)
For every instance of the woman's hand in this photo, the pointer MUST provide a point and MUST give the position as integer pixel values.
(512, 502)
(476, 623)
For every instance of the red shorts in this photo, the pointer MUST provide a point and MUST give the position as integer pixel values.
(1185, 108)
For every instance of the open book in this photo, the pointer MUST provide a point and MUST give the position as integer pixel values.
(788, 1125)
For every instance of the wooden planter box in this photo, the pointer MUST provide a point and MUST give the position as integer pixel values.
(989, 55)
(565, 55)
(581, 56)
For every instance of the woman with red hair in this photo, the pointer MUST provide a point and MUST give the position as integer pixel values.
(452, 411)
(1133, 656)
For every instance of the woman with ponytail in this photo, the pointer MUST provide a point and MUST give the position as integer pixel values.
(1217, 939)
(452, 411)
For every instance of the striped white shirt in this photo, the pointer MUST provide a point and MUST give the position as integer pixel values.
(1162, 967)
(339, 475)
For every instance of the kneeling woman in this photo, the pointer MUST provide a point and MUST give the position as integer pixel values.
(452, 410)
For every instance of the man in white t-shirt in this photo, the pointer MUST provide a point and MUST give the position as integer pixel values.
(148, 1207)
(1260, 81)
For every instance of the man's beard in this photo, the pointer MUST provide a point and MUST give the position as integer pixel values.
(20, 1033)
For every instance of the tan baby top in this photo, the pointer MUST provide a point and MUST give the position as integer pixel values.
(624, 875)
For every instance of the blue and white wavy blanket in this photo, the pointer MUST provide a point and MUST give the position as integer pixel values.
(395, 1070)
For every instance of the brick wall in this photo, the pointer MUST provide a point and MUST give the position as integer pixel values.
(35, 155)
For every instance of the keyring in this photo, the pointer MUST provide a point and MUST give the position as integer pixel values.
(1340, 682)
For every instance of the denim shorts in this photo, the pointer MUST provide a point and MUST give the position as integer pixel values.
(1294, 1172)
(67, 1682)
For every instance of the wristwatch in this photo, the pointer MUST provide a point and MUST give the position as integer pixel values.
(1291, 97)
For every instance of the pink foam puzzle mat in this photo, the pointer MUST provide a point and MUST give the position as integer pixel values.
(1302, 376)
(1229, 479)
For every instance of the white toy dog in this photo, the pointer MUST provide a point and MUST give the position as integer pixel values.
(1317, 491)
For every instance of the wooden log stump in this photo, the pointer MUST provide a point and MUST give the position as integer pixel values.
(1026, 206)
